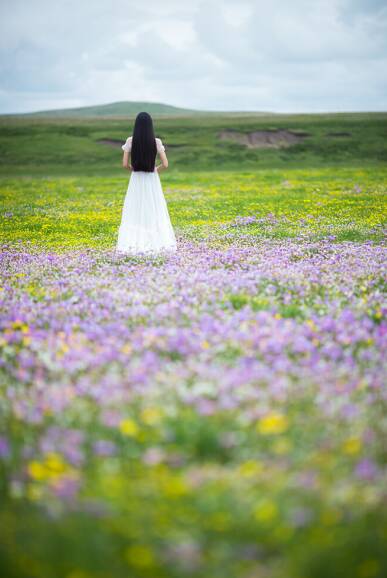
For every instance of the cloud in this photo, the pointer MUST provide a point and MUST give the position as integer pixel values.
(213, 54)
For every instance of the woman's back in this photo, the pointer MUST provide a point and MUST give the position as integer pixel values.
(138, 165)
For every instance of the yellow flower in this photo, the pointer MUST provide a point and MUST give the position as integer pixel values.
(52, 467)
(54, 464)
(129, 427)
(174, 487)
(250, 468)
(352, 446)
(272, 423)
(36, 470)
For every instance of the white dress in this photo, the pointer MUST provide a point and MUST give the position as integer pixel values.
(145, 223)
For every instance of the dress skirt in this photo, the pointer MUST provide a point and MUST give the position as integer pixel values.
(145, 222)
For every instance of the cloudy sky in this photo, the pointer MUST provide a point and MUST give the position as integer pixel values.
(282, 55)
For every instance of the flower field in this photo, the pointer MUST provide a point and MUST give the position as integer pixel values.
(215, 413)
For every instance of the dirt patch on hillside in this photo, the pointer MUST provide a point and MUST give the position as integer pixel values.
(338, 134)
(117, 143)
(111, 142)
(264, 138)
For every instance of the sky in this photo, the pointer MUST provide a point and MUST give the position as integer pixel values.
(277, 55)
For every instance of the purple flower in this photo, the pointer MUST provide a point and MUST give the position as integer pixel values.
(4, 447)
(104, 448)
(66, 488)
(366, 469)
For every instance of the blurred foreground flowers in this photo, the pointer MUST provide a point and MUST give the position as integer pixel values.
(214, 413)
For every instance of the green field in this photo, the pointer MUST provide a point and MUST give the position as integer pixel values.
(69, 146)
(61, 187)
(85, 211)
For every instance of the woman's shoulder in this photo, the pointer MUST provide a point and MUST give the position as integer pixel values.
(128, 144)
(159, 144)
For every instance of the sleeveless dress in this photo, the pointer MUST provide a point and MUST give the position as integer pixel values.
(145, 223)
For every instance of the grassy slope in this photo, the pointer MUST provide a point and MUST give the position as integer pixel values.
(110, 109)
(38, 146)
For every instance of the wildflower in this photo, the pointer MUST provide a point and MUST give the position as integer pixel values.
(129, 427)
(352, 446)
(37, 471)
(51, 467)
(250, 468)
(366, 469)
(272, 424)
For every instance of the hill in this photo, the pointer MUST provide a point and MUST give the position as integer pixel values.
(113, 109)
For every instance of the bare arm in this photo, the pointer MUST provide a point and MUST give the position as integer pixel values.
(164, 161)
(125, 161)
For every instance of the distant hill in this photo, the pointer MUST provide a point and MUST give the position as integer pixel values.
(119, 109)
(127, 108)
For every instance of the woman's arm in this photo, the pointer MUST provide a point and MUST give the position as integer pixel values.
(164, 161)
(125, 161)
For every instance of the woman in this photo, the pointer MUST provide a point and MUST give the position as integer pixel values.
(145, 223)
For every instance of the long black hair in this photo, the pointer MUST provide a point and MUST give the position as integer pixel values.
(143, 151)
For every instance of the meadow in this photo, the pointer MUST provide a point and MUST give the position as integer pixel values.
(218, 412)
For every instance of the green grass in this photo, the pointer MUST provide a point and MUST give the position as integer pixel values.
(86, 211)
(68, 146)
(61, 188)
